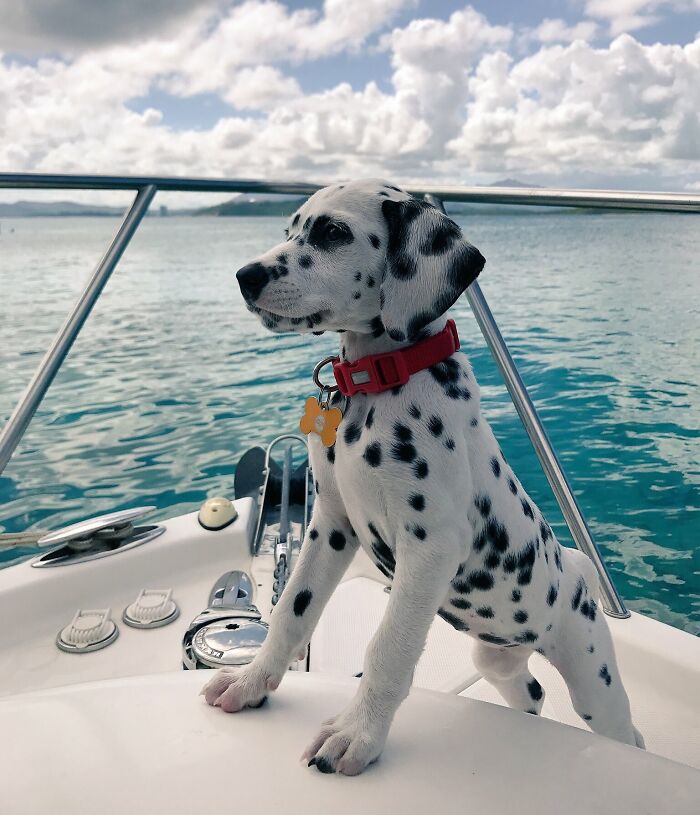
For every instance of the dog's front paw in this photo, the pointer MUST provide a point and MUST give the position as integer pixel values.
(232, 689)
(347, 744)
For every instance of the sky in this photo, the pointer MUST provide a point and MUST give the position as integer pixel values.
(575, 93)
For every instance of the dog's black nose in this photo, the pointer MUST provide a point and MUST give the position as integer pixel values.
(252, 279)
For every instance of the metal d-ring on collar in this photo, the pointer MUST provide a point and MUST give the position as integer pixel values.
(324, 391)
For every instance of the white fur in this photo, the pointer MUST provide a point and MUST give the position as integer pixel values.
(417, 478)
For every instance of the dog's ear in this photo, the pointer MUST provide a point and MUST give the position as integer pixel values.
(428, 265)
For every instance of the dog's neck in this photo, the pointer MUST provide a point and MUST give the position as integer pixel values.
(354, 345)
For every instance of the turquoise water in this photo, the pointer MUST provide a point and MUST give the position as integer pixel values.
(172, 379)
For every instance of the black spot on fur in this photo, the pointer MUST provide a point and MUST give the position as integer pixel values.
(591, 649)
(492, 560)
(420, 533)
(440, 238)
(370, 282)
(557, 558)
(497, 535)
(450, 444)
(526, 636)
(604, 674)
(576, 599)
(455, 622)
(479, 541)
(374, 240)
(520, 616)
(483, 504)
(510, 563)
(417, 501)
(382, 552)
(305, 261)
(524, 577)
(485, 611)
(527, 509)
(446, 372)
(481, 580)
(586, 717)
(377, 327)
(552, 594)
(545, 532)
(435, 425)
(535, 690)
(337, 540)
(373, 454)
(358, 276)
(352, 433)
(356, 295)
(317, 487)
(313, 534)
(369, 421)
(461, 603)
(414, 411)
(588, 609)
(516, 595)
(420, 468)
(495, 466)
(402, 432)
(403, 451)
(301, 602)
(474, 422)
(330, 454)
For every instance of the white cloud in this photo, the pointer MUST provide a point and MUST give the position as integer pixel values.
(630, 15)
(460, 107)
(624, 107)
(555, 30)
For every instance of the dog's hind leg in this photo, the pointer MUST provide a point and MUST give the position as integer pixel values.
(506, 669)
(585, 657)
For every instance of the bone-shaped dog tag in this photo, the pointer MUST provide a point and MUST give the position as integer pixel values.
(322, 420)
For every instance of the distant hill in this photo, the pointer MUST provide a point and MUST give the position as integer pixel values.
(252, 205)
(36, 209)
(511, 182)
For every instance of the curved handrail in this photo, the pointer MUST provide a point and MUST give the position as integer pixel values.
(519, 196)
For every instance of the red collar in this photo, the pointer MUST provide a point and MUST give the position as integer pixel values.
(380, 372)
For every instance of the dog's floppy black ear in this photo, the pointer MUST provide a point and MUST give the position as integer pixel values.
(428, 265)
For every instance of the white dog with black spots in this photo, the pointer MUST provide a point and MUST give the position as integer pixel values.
(418, 480)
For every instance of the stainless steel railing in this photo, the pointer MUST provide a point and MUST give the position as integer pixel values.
(147, 186)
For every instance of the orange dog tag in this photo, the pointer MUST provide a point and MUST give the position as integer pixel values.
(321, 420)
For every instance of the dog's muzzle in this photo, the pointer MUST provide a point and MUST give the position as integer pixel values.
(252, 279)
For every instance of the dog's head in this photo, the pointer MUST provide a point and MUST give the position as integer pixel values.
(363, 256)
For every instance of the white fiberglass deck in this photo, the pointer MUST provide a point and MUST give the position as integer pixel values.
(660, 665)
(151, 744)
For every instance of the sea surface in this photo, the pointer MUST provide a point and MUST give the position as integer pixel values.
(172, 379)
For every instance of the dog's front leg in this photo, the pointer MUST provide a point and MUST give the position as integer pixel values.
(328, 548)
(356, 737)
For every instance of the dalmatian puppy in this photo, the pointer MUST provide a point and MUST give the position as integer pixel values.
(418, 480)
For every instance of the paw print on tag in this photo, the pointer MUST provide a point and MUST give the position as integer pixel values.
(320, 420)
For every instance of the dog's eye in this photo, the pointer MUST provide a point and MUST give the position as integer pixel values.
(334, 233)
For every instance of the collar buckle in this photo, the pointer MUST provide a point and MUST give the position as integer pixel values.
(372, 374)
